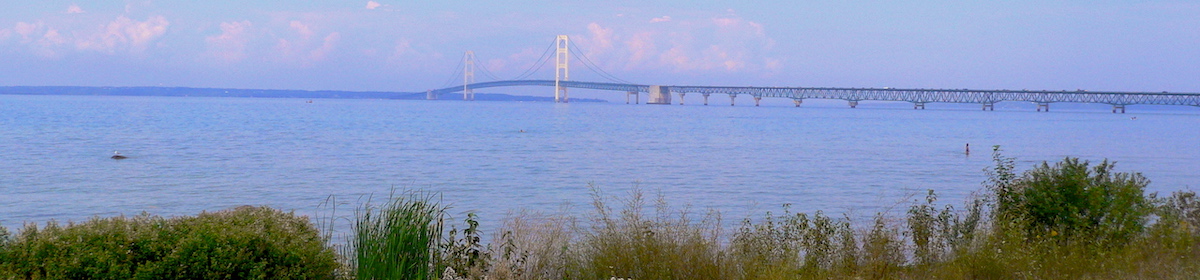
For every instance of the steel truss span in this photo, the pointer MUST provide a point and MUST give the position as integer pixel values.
(916, 96)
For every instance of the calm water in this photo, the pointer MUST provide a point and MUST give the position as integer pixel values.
(192, 154)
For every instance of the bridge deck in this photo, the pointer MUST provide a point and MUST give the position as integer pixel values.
(917, 96)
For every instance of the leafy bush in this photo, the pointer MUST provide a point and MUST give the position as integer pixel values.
(1072, 201)
(244, 243)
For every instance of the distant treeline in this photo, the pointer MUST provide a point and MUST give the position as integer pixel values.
(262, 93)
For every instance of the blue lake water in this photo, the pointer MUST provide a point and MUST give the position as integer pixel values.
(188, 155)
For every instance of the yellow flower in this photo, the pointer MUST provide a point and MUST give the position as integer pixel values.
(1053, 233)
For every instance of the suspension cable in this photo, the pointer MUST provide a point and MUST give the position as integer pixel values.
(597, 68)
(486, 72)
(538, 64)
(457, 72)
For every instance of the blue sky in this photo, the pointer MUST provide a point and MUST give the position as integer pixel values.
(384, 45)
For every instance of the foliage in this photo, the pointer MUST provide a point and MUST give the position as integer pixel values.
(1072, 202)
(465, 255)
(244, 243)
(1069, 220)
(399, 239)
(669, 245)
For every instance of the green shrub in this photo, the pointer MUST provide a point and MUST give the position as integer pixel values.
(245, 243)
(1072, 201)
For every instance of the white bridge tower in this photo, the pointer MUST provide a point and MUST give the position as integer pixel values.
(468, 75)
(561, 73)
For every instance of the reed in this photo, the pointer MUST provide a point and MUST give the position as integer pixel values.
(399, 239)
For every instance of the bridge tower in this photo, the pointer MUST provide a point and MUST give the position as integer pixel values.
(561, 73)
(468, 75)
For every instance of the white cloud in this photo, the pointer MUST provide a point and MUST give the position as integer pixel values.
(722, 42)
(327, 46)
(302, 29)
(601, 40)
(26, 29)
(75, 9)
(371, 5)
(403, 47)
(52, 37)
(230, 45)
(125, 34)
(641, 46)
(305, 49)
(41, 40)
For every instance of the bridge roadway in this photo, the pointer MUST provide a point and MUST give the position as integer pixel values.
(919, 97)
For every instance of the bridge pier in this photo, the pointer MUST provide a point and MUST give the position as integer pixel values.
(731, 98)
(756, 100)
(705, 98)
(853, 103)
(681, 98)
(659, 95)
(430, 96)
(918, 105)
(1118, 106)
(797, 101)
(989, 106)
(1043, 105)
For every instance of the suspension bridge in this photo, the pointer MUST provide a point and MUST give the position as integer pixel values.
(662, 94)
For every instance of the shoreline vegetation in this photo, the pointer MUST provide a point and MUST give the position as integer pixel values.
(1067, 220)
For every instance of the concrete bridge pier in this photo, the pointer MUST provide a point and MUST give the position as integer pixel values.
(705, 98)
(731, 98)
(853, 103)
(659, 95)
(1043, 105)
(797, 101)
(636, 98)
(430, 96)
(919, 105)
(681, 98)
(756, 100)
(989, 106)
(1118, 106)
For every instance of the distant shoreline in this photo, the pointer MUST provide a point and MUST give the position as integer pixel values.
(256, 93)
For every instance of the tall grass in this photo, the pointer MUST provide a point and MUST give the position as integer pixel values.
(628, 244)
(1070, 220)
(399, 239)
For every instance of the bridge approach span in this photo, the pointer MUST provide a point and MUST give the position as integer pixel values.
(916, 96)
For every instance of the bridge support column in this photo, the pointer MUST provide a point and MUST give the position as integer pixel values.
(1119, 106)
(797, 101)
(636, 98)
(853, 104)
(731, 98)
(705, 98)
(918, 105)
(659, 95)
(1043, 105)
(989, 106)
(430, 96)
(681, 98)
(756, 100)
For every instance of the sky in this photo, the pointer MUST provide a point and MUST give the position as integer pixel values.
(389, 45)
